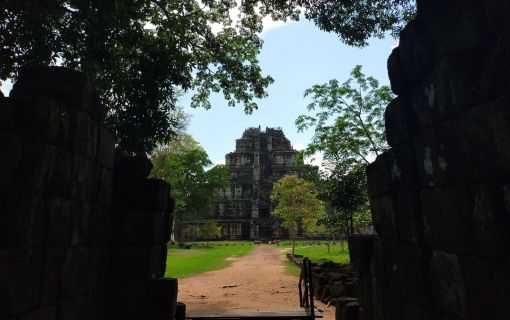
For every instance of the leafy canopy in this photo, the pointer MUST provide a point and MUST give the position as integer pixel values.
(138, 53)
(296, 203)
(183, 164)
(348, 118)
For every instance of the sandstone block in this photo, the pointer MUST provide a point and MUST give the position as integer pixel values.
(131, 168)
(6, 115)
(148, 194)
(105, 148)
(399, 121)
(379, 175)
(85, 179)
(38, 163)
(384, 216)
(409, 217)
(23, 221)
(79, 272)
(81, 307)
(399, 84)
(60, 215)
(447, 284)
(53, 263)
(62, 178)
(360, 252)
(11, 153)
(143, 227)
(416, 54)
(129, 302)
(83, 134)
(447, 218)
(162, 299)
(72, 88)
(137, 265)
(491, 220)
(48, 313)
(20, 275)
(40, 119)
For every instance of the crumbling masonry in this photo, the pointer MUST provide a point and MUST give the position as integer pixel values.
(440, 198)
(82, 231)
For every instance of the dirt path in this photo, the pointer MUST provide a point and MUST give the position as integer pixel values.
(252, 281)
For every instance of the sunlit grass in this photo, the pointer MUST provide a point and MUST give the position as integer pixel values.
(201, 258)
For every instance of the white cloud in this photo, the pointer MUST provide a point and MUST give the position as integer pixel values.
(298, 146)
(395, 45)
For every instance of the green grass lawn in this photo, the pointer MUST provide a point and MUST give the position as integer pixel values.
(320, 252)
(200, 258)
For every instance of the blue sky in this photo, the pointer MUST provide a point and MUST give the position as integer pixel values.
(297, 55)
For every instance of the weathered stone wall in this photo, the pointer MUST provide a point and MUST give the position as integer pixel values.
(440, 198)
(82, 231)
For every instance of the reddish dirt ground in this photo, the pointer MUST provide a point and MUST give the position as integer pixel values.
(252, 281)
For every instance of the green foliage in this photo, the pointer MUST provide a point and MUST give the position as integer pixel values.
(210, 230)
(138, 53)
(356, 21)
(348, 119)
(182, 163)
(296, 203)
(183, 263)
(348, 198)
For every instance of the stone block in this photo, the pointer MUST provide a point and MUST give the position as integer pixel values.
(447, 218)
(412, 274)
(162, 298)
(85, 215)
(86, 176)
(143, 227)
(384, 216)
(20, 280)
(38, 163)
(105, 148)
(399, 84)
(409, 217)
(62, 179)
(129, 303)
(49, 313)
(60, 215)
(23, 222)
(491, 221)
(416, 54)
(350, 311)
(11, 153)
(79, 272)
(447, 285)
(82, 307)
(147, 194)
(53, 262)
(131, 167)
(180, 311)
(487, 287)
(6, 115)
(379, 180)
(403, 169)
(83, 134)
(360, 252)
(138, 265)
(72, 88)
(399, 122)
(40, 120)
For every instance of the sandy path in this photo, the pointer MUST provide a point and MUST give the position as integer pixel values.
(252, 281)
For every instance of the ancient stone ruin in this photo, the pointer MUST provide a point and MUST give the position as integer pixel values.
(440, 198)
(244, 209)
(83, 233)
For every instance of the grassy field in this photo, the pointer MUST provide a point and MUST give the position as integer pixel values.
(319, 252)
(201, 258)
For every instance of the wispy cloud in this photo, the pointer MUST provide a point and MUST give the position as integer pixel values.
(6, 87)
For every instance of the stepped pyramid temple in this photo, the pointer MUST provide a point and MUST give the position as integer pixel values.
(259, 160)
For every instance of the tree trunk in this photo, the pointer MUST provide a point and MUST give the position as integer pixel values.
(293, 245)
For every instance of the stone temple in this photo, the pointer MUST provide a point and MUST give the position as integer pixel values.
(259, 160)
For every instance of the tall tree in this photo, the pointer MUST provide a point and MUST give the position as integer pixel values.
(296, 203)
(348, 118)
(183, 163)
(139, 52)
